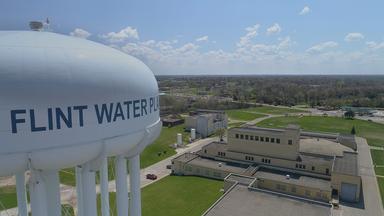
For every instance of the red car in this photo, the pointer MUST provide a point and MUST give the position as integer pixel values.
(151, 176)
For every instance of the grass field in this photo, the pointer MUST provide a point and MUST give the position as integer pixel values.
(273, 110)
(372, 131)
(377, 157)
(177, 195)
(8, 197)
(380, 181)
(243, 115)
(379, 171)
(159, 150)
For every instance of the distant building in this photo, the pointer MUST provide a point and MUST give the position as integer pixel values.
(206, 122)
(170, 121)
(316, 166)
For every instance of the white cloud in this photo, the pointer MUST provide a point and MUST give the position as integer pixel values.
(374, 45)
(122, 35)
(305, 10)
(251, 33)
(322, 46)
(81, 33)
(354, 36)
(201, 39)
(274, 29)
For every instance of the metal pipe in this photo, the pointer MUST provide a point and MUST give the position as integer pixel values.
(121, 186)
(52, 189)
(21, 194)
(79, 191)
(105, 209)
(37, 194)
(89, 191)
(134, 179)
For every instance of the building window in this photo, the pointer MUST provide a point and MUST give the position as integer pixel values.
(237, 136)
(241, 136)
(266, 139)
(272, 140)
(300, 166)
(222, 154)
(327, 171)
(205, 151)
(293, 189)
(297, 165)
(313, 168)
(257, 138)
(277, 140)
(262, 139)
(246, 137)
(289, 142)
(251, 137)
(264, 160)
(249, 158)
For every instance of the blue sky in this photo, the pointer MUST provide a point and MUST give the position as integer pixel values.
(222, 36)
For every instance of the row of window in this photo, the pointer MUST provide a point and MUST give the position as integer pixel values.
(250, 158)
(222, 154)
(261, 139)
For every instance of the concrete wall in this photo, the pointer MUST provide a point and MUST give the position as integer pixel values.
(296, 190)
(212, 152)
(280, 150)
(337, 179)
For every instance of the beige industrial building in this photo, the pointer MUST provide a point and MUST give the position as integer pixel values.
(317, 166)
(206, 122)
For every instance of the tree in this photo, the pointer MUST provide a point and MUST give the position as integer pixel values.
(353, 131)
(349, 114)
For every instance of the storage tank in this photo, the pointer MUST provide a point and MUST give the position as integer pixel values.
(179, 139)
(67, 102)
(193, 133)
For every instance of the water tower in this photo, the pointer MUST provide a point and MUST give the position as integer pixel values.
(69, 102)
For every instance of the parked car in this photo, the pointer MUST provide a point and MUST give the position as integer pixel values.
(151, 176)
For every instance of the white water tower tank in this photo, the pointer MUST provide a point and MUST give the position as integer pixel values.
(66, 101)
(193, 133)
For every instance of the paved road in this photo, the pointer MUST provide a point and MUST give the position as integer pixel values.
(68, 193)
(372, 199)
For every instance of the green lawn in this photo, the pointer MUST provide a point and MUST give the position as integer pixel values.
(235, 124)
(177, 195)
(8, 197)
(377, 157)
(379, 171)
(273, 110)
(157, 151)
(243, 115)
(380, 181)
(372, 131)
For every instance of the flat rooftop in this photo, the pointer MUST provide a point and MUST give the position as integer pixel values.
(346, 164)
(295, 179)
(319, 146)
(218, 165)
(241, 201)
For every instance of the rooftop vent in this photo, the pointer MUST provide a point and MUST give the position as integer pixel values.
(287, 176)
(36, 25)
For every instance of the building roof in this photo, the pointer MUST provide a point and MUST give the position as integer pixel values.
(346, 164)
(255, 128)
(186, 157)
(242, 201)
(218, 165)
(295, 179)
(318, 146)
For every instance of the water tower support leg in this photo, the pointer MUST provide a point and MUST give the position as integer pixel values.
(104, 188)
(21, 194)
(89, 191)
(121, 186)
(37, 194)
(52, 184)
(135, 196)
(79, 191)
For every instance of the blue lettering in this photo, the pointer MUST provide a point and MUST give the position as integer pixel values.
(81, 114)
(104, 111)
(50, 119)
(127, 103)
(136, 107)
(33, 122)
(15, 121)
(151, 105)
(61, 116)
(143, 106)
(118, 112)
